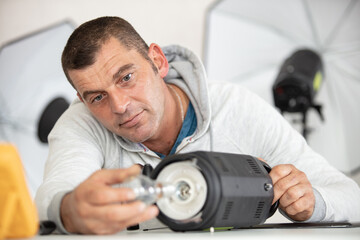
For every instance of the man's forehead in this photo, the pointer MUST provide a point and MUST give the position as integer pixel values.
(113, 44)
(111, 53)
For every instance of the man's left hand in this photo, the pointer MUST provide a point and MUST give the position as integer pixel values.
(293, 189)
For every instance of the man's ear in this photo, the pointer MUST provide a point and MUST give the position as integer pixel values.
(79, 96)
(159, 59)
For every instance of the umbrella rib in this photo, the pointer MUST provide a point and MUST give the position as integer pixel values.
(347, 73)
(346, 53)
(312, 25)
(339, 23)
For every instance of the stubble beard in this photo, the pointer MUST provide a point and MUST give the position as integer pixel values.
(144, 132)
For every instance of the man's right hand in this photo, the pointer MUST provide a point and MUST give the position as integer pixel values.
(95, 207)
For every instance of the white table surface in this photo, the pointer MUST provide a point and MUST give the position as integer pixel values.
(263, 234)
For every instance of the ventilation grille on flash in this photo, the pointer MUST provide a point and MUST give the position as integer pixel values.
(253, 166)
(259, 209)
(227, 211)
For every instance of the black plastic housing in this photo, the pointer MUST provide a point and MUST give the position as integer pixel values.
(238, 191)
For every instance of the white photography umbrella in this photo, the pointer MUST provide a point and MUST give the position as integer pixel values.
(248, 40)
(33, 94)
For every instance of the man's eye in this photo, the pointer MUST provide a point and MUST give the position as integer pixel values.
(127, 77)
(97, 98)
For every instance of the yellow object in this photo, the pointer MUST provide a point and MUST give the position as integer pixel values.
(317, 81)
(18, 215)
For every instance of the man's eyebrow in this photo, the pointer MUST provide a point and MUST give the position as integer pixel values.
(87, 93)
(115, 76)
(121, 70)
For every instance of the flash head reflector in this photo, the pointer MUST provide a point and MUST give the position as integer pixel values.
(190, 193)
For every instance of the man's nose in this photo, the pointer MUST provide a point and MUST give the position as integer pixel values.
(118, 101)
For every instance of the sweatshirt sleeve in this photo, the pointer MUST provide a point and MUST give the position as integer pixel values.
(74, 154)
(337, 196)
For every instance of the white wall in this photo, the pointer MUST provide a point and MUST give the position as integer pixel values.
(160, 21)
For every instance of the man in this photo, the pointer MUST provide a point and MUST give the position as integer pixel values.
(138, 104)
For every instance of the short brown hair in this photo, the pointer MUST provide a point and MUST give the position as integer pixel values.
(87, 39)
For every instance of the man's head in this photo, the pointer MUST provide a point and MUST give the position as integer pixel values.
(119, 78)
(83, 44)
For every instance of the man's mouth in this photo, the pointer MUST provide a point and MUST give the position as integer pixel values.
(132, 121)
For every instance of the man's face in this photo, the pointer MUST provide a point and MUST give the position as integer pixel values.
(122, 91)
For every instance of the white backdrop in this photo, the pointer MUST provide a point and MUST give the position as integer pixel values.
(248, 40)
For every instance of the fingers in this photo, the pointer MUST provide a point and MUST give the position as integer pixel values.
(150, 213)
(108, 226)
(293, 190)
(115, 212)
(284, 177)
(109, 195)
(291, 195)
(280, 171)
(98, 188)
(291, 177)
(113, 176)
(301, 206)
